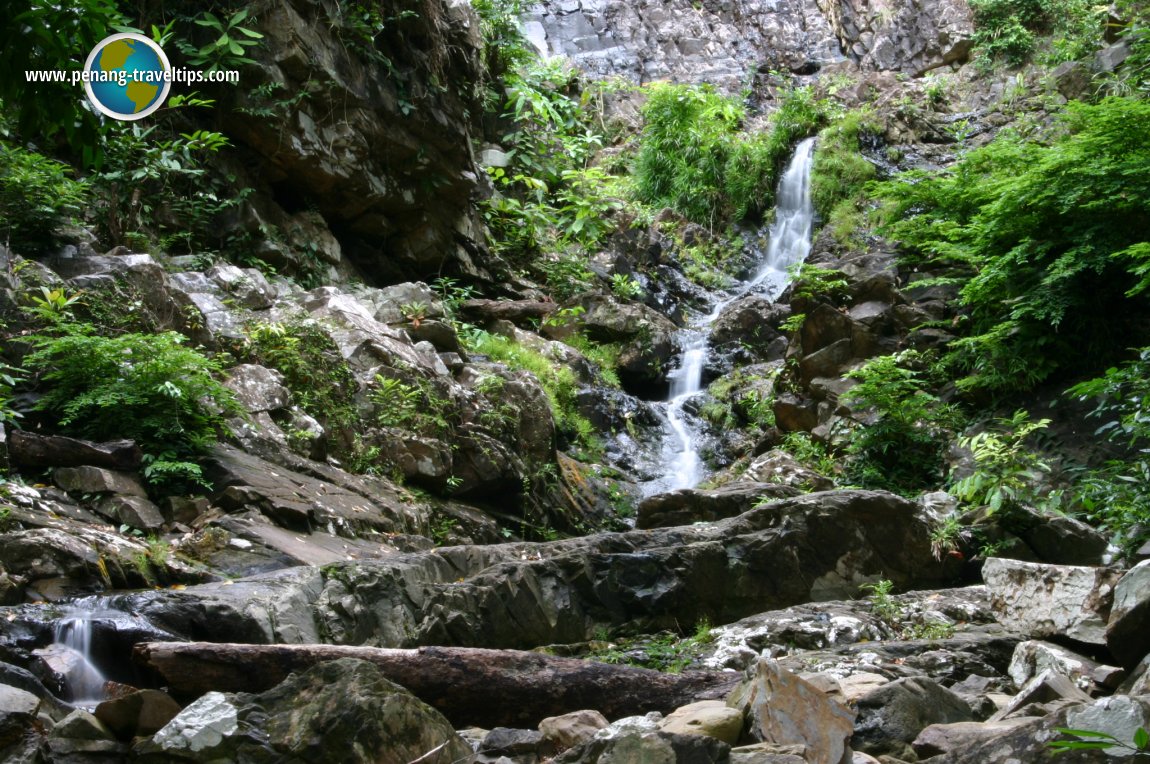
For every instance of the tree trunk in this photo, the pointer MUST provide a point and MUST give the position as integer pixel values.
(470, 686)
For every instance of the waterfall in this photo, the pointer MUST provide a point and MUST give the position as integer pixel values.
(73, 638)
(789, 243)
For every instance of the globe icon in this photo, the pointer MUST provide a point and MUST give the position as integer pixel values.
(125, 76)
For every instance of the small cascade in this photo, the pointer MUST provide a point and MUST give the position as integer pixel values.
(789, 243)
(73, 639)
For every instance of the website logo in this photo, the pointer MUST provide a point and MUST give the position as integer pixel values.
(127, 76)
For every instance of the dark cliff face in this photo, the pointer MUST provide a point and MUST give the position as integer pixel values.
(372, 133)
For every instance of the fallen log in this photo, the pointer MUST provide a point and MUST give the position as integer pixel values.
(470, 686)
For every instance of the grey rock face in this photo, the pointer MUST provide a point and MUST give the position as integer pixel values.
(893, 715)
(1051, 600)
(344, 711)
(652, 40)
(820, 546)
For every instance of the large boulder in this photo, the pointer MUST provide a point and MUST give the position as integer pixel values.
(816, 547)
(1044, 601)
(1028, 740)
(343, 711)
(783, 709)
(692, 505)
(1128, 632)
(892, 716)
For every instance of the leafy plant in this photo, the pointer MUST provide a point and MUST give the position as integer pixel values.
(229, 46)
(694, 159)
(1051, 238)
(625, 286)
(37, 197)
(1005, 473)
(810, 281)
(839, 171)
(882, 603)
(149, 388)
(902, 450)
(1091, 740)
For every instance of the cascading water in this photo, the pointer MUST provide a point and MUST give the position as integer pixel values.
(73, 639)
(789, 243)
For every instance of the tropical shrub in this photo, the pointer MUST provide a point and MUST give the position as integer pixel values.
(1052, 236)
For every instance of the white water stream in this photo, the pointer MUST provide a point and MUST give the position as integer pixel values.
(73, 636)
(789, 243)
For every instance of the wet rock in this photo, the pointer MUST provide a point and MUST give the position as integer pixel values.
(356, 150)
(325, 498)
(712, 718)
(751, 325)
(1128, 632)
(647, 338)
(339, 712)
(783, 709)
(32, 450)
(18, 710)
(691, 505)
(794, 414)
(139, 713)
(1051, 600)
(678, 42)
(98, 480)
(133, 511)
(82, 733)
(1056, 538)
(570, 730)
(504, 741)
(892, 716)
(513, 595)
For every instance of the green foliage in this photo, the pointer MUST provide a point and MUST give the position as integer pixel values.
(903, 449)
(229, 45)
(558, 381)
(154, 187)
(37, 196)
(1008, 30)
(149, 388)
(882, 603)
(9, 378)
(1092, 740)
(43, 35)
(665, 651)
(548, 199)
(1117, 495)
(416, 405)
(694, 159)
(320, 380)
(605, 356)
(1053, 238)
(809, 452)
(810, 281)
(840, 172)
(504, 46)
(1005, 473)
(626, 287)
(947, 536)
